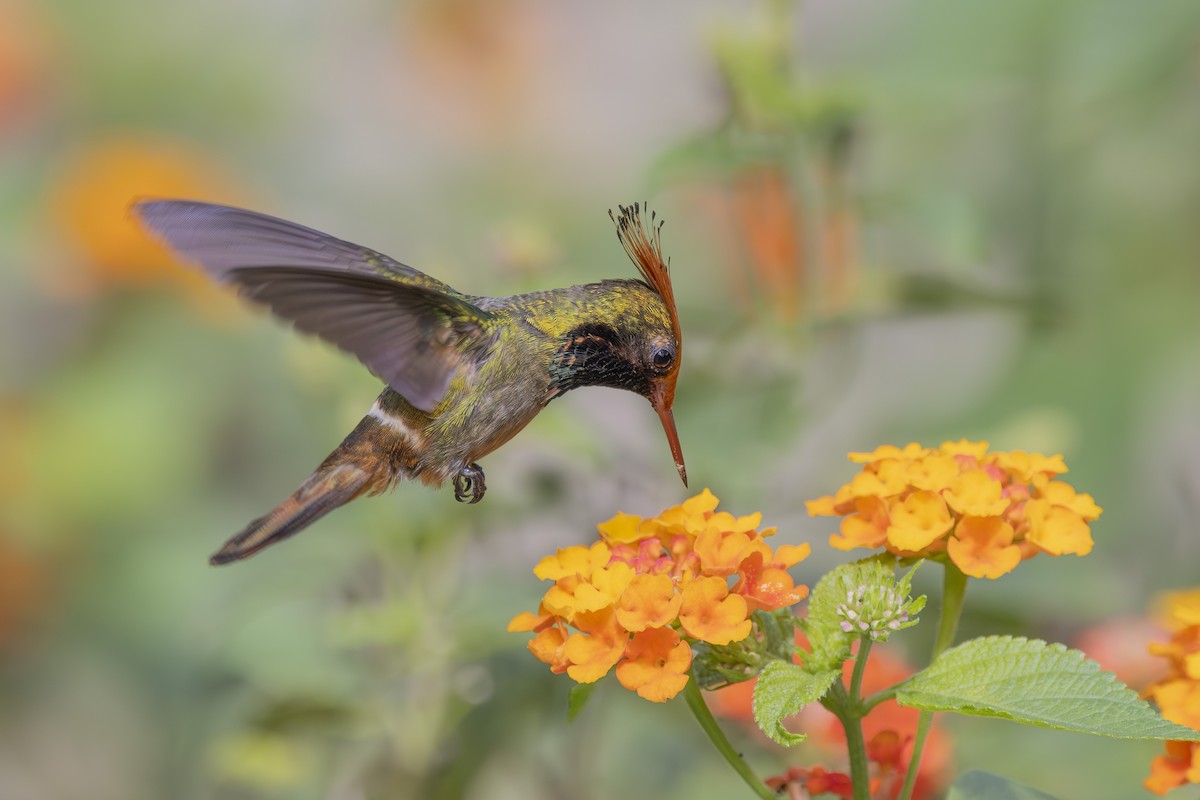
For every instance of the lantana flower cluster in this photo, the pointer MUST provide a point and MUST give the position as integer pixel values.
(637, 598)
(984, 511)
(1178, 694)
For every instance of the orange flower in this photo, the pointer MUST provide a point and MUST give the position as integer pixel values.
(597, 649)
(866, 528)
(984, 511)
(649, 601)
(652, 577)
(1057, 530)
(1178, 693)
(1179, 700)
(982, 547)
(1180, 765)
(767, 587)
(710, 613)
(547, 647)
(720, 552)
(656, 664)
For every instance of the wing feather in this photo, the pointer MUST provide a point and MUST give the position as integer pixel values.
(409, 329)
(224, 238)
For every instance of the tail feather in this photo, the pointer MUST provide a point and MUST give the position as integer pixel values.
(325, 490)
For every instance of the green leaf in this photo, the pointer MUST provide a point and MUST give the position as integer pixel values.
(578, 697)
(979, 785)
(782, 690)
(1029, 681)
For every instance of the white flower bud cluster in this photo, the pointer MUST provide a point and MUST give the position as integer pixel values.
(874, 611)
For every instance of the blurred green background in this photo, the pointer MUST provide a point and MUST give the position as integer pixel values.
(916, 220)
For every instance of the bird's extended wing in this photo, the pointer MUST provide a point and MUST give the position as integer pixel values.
(409, 329)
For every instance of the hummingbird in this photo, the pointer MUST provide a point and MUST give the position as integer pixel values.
(464, 373)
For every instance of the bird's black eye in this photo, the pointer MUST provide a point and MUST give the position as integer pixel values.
(663, 357)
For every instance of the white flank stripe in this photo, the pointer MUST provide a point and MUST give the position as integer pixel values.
(395, 423)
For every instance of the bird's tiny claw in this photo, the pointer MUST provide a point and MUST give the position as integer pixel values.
(469, 484)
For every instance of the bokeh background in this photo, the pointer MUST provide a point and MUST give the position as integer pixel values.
(915, 220)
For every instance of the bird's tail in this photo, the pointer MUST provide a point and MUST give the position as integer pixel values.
(358, 465)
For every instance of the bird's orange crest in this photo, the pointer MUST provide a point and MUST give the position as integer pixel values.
(645, 250)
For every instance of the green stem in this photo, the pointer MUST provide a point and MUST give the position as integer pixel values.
(856, 748)
(954, 588)
(877, 698)
(860, 666)
(845, 708)
(691, 693)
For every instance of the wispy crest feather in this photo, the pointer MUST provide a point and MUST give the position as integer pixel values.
(644, 248)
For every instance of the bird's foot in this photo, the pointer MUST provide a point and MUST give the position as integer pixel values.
(469, 484)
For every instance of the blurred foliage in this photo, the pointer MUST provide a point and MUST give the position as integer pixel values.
(923, 220)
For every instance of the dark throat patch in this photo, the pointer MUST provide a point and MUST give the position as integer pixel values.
(591, 355)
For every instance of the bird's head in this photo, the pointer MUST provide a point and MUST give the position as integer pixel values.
(662, 345)
(629, 336)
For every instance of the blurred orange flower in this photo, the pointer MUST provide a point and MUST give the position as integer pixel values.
(478, 60)
(23, 589)
(26, 61)
(985, 511)
(805, 782)
(1119, 645)
(88, 208)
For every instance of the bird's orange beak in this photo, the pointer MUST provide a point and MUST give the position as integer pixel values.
(662, 398)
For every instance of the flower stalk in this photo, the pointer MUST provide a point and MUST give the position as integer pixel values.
(954, 590)
(695, 701)
(851, 718)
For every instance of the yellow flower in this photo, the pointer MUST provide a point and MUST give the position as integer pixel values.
(977, 493)
(1057, 493)
(1180, 610)
(909, 451)
(1024, 467)
(985, 512)
(917, 522)
(932, 473)
(572, 561)
(621, 529)
(966, 448)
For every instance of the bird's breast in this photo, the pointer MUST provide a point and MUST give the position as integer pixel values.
(487, 403)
